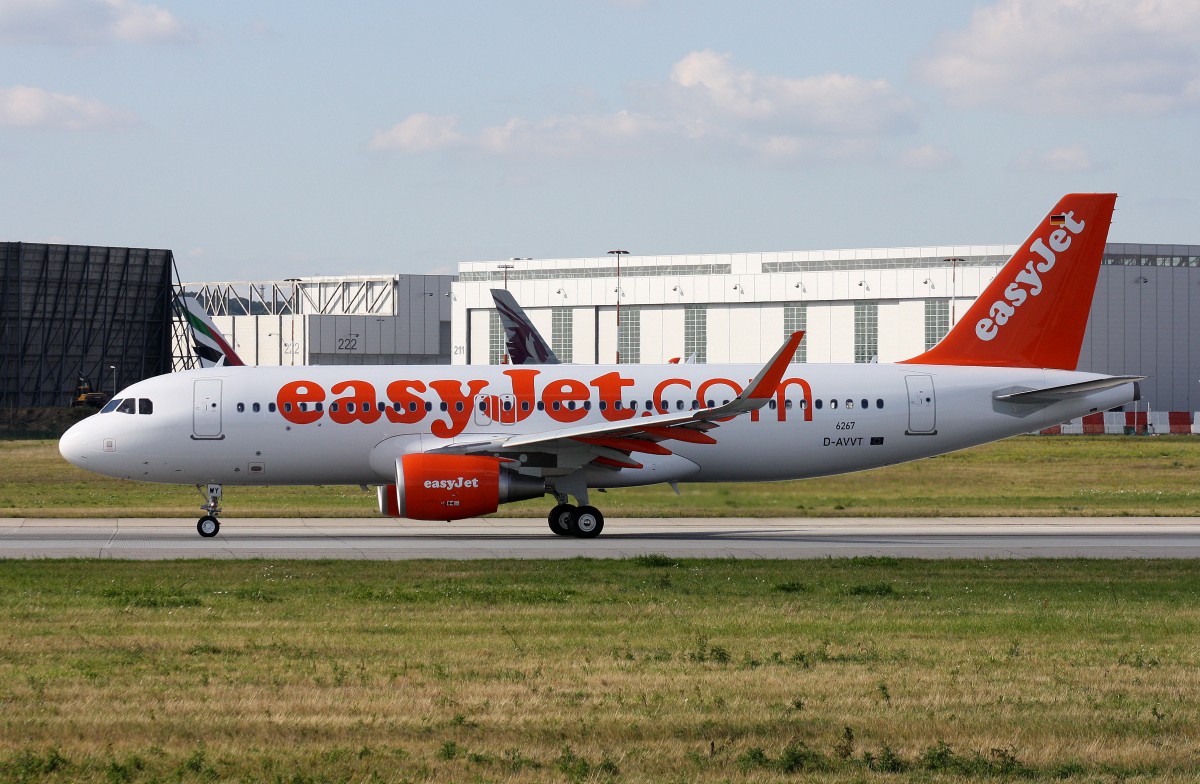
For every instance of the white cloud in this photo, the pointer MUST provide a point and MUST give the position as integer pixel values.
(707, 100)
(89, 22)
(1072, 158)
(33, 107)
(1073, 57)
(419, 133)
(707, 83)
(928, 157)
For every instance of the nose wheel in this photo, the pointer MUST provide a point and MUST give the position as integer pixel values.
(208, 526)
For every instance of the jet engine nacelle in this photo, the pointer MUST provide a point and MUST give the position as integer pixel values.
(453, 487)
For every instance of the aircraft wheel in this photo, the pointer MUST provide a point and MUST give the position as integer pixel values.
(560, 519)
(587, 522)
(208, 526)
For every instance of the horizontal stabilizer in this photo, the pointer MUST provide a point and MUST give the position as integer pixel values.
(1064, 392)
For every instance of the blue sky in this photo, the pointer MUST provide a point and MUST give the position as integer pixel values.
(272, 139)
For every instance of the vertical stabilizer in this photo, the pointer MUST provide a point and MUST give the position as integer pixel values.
(525, 344)
(210, 346)
(1035, 311)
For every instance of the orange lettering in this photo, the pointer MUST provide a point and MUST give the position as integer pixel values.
(360, 406)
(458, 406)
(412, 406)
(293, 394)
(562, 391)
(609, 386)
(658, 391)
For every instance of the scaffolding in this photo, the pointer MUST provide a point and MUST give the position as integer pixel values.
(78, 311)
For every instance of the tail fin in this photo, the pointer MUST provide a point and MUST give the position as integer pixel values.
(1033, 314)
(525, 344)
(211, 347)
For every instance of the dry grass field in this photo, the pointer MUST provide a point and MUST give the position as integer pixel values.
(645, 670)
(1029, 475)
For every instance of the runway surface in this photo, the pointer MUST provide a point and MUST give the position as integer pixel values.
(383, 539)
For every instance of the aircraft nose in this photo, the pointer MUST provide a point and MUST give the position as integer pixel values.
(73, 444)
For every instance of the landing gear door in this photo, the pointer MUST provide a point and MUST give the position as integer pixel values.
(922, 406)
(206, 409)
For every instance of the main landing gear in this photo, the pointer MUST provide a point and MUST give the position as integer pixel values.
(585, 522)
(209, 525)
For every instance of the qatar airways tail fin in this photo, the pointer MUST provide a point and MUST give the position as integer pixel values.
(211, 347)
(1034, 313)
(526, 346)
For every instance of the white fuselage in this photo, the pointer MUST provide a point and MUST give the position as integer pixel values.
(231, 426)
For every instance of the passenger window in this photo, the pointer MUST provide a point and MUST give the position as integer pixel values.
(443, 406)
(603, 405)
(319, 406)
(849, 405)
(803, 404)
(524, 405)
(833, 403)
(571, 404)
(556, 405)
(349, 407)
(458, 406)
(304, 406)
(787, 404)
(256, 408)
(429, 405)
(817, 404)
(111, 405)
(271, 407)
(127, 406)
(483, 405)
(772, 404)
(287, 407)
(865, 403)
(541, 406)
(241, 407)
(678, 405)
(879, 403)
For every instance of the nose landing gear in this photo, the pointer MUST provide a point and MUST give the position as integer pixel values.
(208, 526)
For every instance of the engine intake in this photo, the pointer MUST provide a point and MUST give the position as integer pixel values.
(453, 487)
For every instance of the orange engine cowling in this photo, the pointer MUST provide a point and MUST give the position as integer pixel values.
(453, 487)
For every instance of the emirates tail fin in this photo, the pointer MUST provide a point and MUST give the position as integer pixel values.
(1035, 311)
(209, 344)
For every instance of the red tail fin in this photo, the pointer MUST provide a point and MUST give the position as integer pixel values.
(1035, 311)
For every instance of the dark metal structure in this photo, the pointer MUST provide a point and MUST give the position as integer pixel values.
(68, 311)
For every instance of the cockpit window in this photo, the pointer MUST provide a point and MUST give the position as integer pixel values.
(128, 406)
(111, 405)
(145, 405)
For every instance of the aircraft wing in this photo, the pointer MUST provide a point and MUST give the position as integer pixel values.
(612, 443)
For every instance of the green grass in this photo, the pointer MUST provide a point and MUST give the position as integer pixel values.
(1029, 475)
(649, 669)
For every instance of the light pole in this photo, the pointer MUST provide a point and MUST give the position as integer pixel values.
(113, 368)
(292, 313)
(953, 285)
(506, 268)
(618, 253)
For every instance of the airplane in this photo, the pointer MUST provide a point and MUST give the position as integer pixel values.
(211, 347)
(525, 344)
(453, 442)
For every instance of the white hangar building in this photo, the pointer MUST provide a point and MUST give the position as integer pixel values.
(856, 305)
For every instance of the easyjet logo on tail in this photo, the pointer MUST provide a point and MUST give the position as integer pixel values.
(1028, 280)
